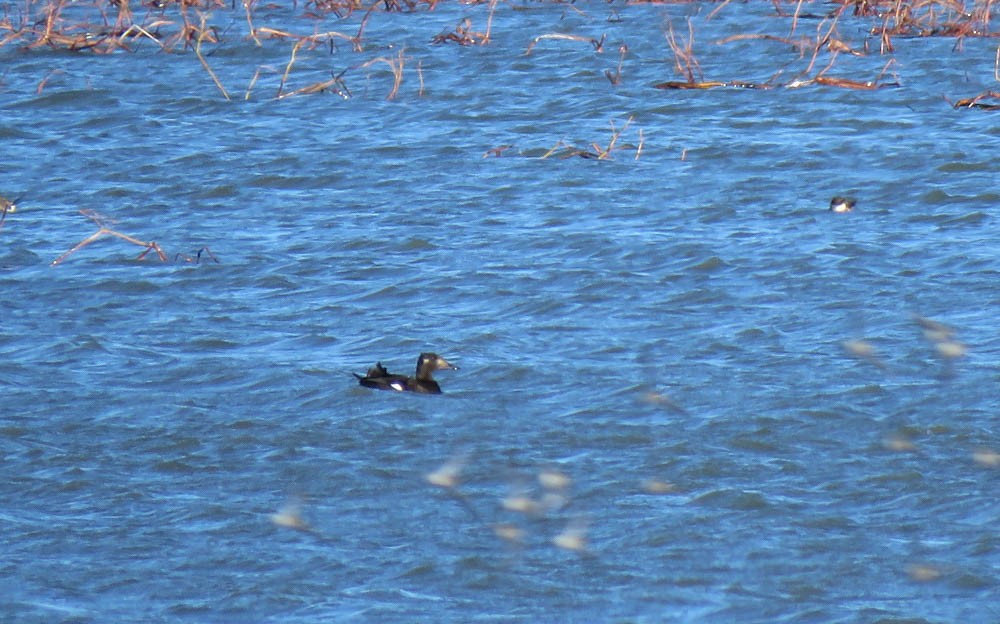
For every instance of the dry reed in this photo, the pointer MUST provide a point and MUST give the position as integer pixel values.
(598, 44)
(148, 246)
(197, 50)
(395, 65)
(103, 230)
(594, 150)
(105, 27)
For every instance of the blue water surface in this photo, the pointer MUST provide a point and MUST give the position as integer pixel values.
(733, 382)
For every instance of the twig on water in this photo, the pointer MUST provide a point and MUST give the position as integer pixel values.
(596, 152)
(104, 230)
(288, 66)
(462, 35)
(315, 40)
(319, 87)
(597, 43)
(977, 101)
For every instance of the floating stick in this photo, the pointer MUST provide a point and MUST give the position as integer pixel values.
(977, 101)
(104, 230)
(597, 43)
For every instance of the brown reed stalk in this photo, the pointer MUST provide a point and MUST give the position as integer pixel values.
(489, 21)
(396, 65)
(13, 36)
(795, 17)
(361, 27)
(314, 39)
(53, 10)
(462, 35)
(615, 134)
(561, 144)
(320, 87)
(685, 61)
(124, 19)
(247, 5)
(104, 230)
(45, 80)
(717, 9)
(885, 39)
(288, 67)
(135, 28)
(596, 151)
(204, 63)
(616, 78)
(253, 81)
(881, 74)
(821, 42)
(798, 45)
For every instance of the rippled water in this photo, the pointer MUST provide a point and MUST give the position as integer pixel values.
(665, 328)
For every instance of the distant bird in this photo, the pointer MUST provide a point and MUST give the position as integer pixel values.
(935, 331)
(842, 204)
(423, 382)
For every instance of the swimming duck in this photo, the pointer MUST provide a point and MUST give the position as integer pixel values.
(381, 379)
(842, 204)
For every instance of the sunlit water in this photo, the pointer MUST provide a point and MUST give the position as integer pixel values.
(665, 328)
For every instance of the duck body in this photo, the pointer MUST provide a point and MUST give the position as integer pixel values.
(422, 382)
(842, 204)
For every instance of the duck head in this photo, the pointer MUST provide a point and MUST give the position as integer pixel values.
(427, 363)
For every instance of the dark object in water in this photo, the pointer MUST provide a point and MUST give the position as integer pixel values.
(381, 379)
(842, 204)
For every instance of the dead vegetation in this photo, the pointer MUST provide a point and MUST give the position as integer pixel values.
(819, 53)
(201, 27)
(104, 230)
(595, 150)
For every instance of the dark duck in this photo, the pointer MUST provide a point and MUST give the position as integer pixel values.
(381, 379)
